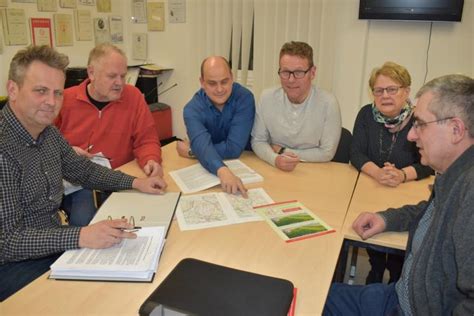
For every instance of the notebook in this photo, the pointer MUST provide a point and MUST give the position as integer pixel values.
(197, 287)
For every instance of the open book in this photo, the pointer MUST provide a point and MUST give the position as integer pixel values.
(195, 178)
(131, 260)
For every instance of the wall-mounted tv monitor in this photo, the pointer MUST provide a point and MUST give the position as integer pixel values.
(420, 10)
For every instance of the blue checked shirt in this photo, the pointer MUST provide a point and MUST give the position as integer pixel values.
(31, 173)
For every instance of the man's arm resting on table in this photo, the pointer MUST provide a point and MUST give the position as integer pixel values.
(155, 185)
(368, 224)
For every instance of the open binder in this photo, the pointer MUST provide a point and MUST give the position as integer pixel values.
(196, 287)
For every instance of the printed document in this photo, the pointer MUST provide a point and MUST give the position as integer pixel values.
(219, 209)
(131, 260)
(292, 221)
(195, 178)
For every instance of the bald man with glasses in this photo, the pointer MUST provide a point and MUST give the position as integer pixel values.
(297, 121)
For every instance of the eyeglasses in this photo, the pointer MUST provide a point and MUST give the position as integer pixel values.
(297, 74)
(419, 124)
(392, 90)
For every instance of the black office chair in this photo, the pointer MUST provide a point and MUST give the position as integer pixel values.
(344, 147)
(3, 101)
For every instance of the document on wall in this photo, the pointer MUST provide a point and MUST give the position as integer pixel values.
(83, 22)
(104, 6)
(155, 13)
(292, 221)
(177, 9)
(63, 29)
(195, 178)
(139, 46)
(41, 31)
(87, 2)
(101, 31)
(139, 11)
(71, 4)
(14, 26)
(116, 29)
(47, 5)
(219, 209)
(131, 260)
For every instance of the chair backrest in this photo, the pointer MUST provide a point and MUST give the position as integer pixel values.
(344, 147)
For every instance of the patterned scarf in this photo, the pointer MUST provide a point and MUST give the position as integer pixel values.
(393, 122)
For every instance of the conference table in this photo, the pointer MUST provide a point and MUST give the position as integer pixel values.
(324, 188)
(370, 196)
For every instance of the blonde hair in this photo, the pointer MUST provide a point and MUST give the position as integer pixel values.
(392, 70)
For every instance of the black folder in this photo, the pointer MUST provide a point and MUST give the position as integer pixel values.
(196, 287)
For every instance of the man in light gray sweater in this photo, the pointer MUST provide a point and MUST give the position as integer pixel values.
(438, 272)
(297, 121)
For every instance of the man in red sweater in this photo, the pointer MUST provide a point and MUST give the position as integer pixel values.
(103, 115)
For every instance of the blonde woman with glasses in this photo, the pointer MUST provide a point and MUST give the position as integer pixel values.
(380, 147)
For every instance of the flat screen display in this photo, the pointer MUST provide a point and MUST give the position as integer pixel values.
(420, 10)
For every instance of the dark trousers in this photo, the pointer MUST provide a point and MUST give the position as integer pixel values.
(350, 300)
(80, 207)
(380, 261)
(15, 275)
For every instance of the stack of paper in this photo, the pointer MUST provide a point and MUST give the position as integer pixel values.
(195, 178)
(131, 260)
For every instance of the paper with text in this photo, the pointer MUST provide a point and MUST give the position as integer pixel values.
(131, 260)
(195, 178)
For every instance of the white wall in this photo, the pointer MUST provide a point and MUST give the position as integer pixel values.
(348, 50)
(77, 54)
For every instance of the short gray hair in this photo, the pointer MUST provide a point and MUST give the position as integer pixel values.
(103, 49)
(453, 97)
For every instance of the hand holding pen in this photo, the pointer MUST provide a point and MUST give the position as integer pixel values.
(287, 161)
(106, 233)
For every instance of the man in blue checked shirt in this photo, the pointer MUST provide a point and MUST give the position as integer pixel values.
(219, 119)
(34, 158)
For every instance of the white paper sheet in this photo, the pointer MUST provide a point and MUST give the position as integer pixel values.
(195, 178)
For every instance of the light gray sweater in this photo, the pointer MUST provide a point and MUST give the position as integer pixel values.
(311, 129)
